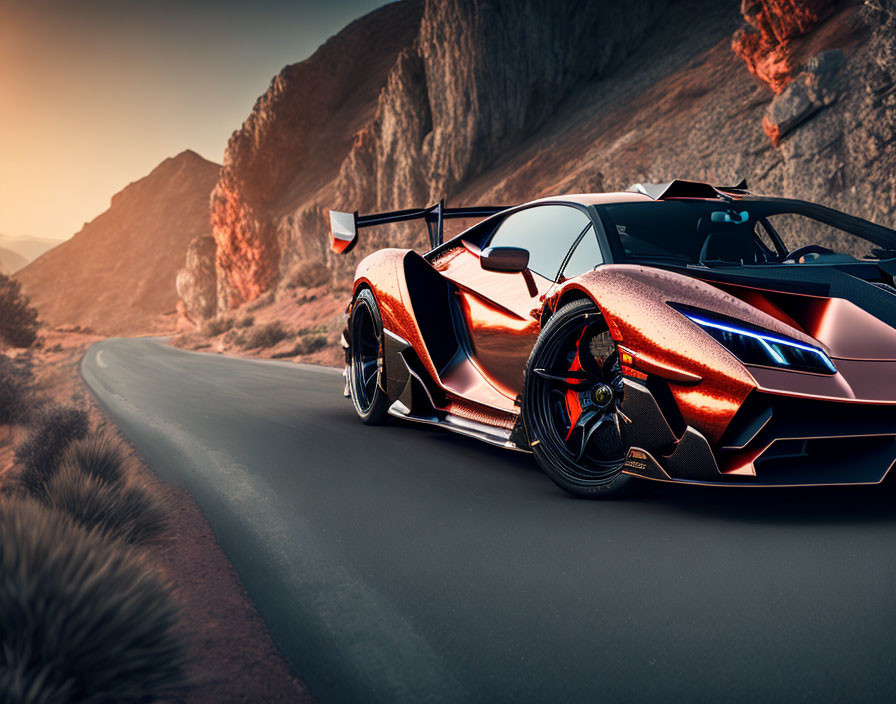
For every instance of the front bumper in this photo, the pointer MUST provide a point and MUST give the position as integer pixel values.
(774, 439)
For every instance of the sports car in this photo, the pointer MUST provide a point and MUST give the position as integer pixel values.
(678, 332)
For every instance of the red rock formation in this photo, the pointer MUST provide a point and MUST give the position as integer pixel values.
(248, 256)
(294, 141)
(772, 130)
(765, 44)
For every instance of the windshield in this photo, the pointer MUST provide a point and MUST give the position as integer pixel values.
(767, 231)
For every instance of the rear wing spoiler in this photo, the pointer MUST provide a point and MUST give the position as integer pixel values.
(688, 189)
(344, 226)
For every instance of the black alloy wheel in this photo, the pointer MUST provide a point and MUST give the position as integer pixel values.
(366, 344)
(571, 404)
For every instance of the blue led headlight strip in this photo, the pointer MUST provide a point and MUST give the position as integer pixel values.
(764, 340)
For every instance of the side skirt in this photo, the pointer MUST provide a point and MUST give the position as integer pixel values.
(499, 437)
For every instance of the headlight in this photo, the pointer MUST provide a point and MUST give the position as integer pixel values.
(756, 346)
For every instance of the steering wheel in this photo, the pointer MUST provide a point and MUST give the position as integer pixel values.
(800, 252)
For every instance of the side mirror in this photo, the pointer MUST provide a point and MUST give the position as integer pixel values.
(511, 260)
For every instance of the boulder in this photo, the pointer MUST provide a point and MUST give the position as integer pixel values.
(197, 282)
(814, 88)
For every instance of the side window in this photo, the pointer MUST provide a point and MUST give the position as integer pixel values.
(585, 257)
(546, 231)
(767, 244)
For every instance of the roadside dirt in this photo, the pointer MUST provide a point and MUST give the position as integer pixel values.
(304, 313)
(234, 658)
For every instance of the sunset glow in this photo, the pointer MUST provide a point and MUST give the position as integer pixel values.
(95, 94)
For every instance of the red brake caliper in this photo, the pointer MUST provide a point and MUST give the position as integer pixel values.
(573, 400)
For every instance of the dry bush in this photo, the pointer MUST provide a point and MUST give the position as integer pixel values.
(313, 343)
(53, 431)
(16, 401)
(126, 513)
(304, 345)
(101, 456)
(313, 338)
(264, 300)
(312, 330)
(18, 320)
(308, 274)
(81, 618)
(246, 322)
(291, 351)
(217, 326)
(263, 336)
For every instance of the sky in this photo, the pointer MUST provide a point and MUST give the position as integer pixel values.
(95, 93)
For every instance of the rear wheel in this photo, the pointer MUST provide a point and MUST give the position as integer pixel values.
(573, 393)
(366, 360)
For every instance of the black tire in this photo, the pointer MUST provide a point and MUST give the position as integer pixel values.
(586, 461)
(366, 371)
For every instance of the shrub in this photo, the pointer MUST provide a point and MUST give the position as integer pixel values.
(312, 330)
(18, 320)
(313, 343)
(81, 618)
(217, 326)
(246, 322)
(262, 301)
(291, 351)
(55, 428)
(101, 456)
(125, 513)
(306, 344)
(15, 392)
(308, 274)
(263, 336)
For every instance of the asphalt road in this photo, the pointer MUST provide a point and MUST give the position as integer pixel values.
(408, 564)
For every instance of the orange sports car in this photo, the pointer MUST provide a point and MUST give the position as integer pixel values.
(680, 332)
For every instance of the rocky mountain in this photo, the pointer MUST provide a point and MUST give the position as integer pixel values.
(503, 101)
(293, 143)
(10, 261)
(28, 248)
(117, 275)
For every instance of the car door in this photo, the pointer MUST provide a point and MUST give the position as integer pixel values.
(501, 310)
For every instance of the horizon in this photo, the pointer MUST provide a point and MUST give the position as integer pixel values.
(179, 75)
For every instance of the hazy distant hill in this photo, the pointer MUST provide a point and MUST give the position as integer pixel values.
(29, 248)
(11, 262)
(117, 275)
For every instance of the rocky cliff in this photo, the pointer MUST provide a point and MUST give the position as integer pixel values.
(117, 275)
(294, 141)
(508, 100)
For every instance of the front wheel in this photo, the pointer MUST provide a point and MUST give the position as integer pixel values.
(366, 360)
(571, 401)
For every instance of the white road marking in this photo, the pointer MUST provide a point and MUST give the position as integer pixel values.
(99, 359)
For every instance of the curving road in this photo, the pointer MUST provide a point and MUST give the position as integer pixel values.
(407, 564)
